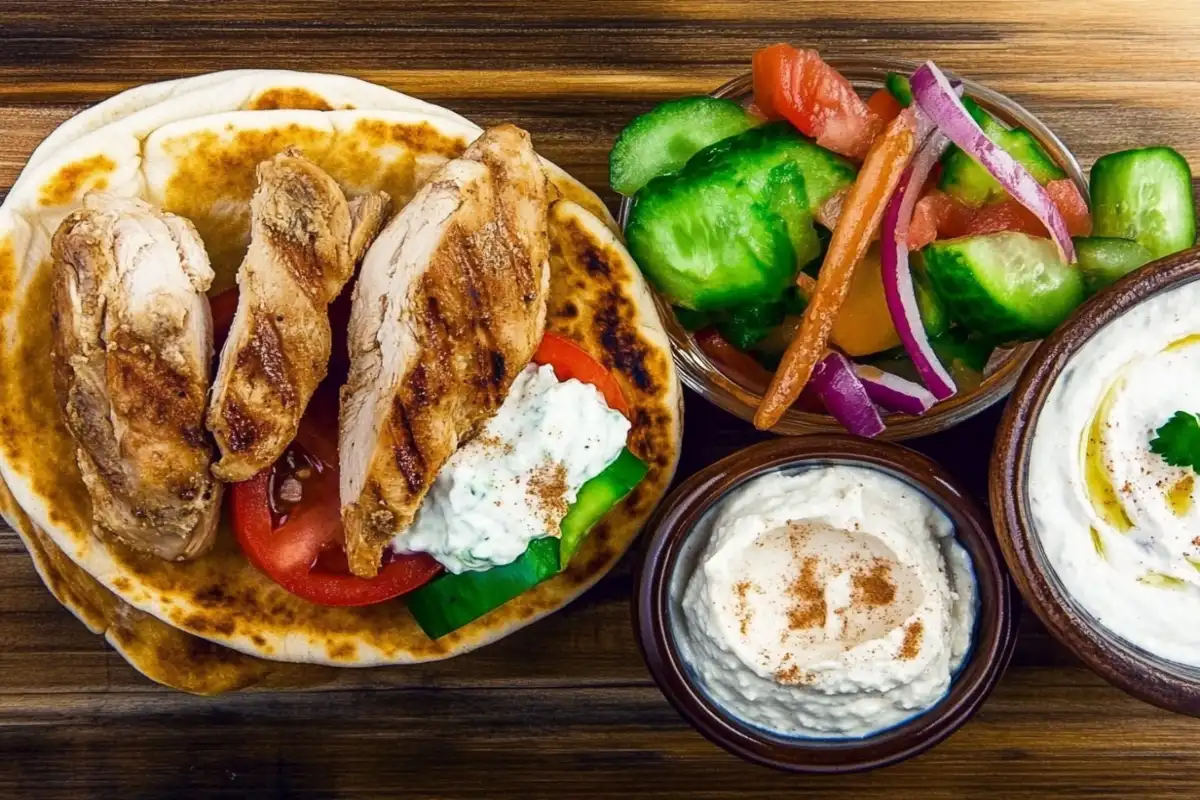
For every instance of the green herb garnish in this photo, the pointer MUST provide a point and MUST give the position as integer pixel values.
(1178, 441)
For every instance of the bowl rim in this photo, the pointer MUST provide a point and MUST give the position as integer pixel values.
(732, 396)
(1114, 659)
(994, 637)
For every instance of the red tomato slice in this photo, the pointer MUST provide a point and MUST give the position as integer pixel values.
(302, 549)
(1007, 215)
(937, 216)
(572, 361)
(1071, 205)
(798, 86)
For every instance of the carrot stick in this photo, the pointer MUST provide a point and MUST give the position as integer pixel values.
(856, 227)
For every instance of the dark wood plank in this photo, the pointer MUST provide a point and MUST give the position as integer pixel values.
(566, 708)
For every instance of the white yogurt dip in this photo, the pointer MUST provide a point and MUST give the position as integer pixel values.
(1120, 526)
(831, 603)
(513, 482)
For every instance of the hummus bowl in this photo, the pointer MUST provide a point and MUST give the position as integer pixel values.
(813, 638)
(1099, 530)
(699, 372)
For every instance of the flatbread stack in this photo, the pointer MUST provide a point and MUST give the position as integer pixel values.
(191, 147)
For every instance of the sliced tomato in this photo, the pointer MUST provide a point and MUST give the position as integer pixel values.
(301, 545)
(224, 306)
(1007, 215)
(1071, 205)
(885, 106)
(937, 216)
(798, 86)
(572, 361)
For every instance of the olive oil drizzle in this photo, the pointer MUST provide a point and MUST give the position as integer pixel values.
(1179, 496)
(1100, 490)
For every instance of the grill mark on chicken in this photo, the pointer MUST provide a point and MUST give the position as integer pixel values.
(131, 354)
(449, 308)
(306, 239)
(242, 432)
(408, 456)
(263, 357)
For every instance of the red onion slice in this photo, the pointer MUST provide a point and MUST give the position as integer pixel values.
(898, 289)
(845, 397)
(894, 393)
(936, 97)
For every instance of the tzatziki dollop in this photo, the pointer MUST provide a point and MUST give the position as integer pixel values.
(1119, 525)
(831, 603)
(515, 480)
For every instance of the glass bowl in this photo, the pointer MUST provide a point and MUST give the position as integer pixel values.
(701, 375)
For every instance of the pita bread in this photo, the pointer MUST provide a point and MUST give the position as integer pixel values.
(246, 89)
(154, 648)
(203, 168)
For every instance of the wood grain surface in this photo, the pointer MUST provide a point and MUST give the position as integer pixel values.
(566, 707)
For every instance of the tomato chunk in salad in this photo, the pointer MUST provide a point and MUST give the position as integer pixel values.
(797, 85)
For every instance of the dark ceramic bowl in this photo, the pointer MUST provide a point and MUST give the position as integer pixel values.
(672, 546)
(1172, 686)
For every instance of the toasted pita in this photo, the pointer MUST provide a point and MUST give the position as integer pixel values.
(144, 108)
(159, 651)
(246, 89)
(597, 298)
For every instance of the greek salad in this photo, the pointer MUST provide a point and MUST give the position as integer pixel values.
(867, 256)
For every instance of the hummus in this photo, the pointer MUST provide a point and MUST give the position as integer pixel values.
(832, 602)
(515, 481)
(1120, 526)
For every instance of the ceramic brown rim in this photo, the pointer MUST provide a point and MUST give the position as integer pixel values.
(1126, 666)
(677, 516)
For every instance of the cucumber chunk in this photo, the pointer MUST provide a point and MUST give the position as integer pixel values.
(934, 316)
(968, 181)
(692, 320)
(748, 325)
(707, 245)
(1104, 261)
(753, 156)
(786, 195)
(899, 87)
(663, 139)
(1145, 195)
(1004, 286)
(735, 224)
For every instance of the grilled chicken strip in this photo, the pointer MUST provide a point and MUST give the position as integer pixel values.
(305, 241)
(132, 358)
(449, 307)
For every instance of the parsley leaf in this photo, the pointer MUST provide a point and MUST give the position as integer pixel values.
(1178, 441)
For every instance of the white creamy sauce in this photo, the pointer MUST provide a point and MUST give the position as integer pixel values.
(513, 482)
(831, 603)
(1132, 562)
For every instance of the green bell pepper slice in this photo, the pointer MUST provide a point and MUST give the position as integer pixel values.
(596, 498)
(451, 601)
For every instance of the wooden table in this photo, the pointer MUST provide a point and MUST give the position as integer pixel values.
(566, 707)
